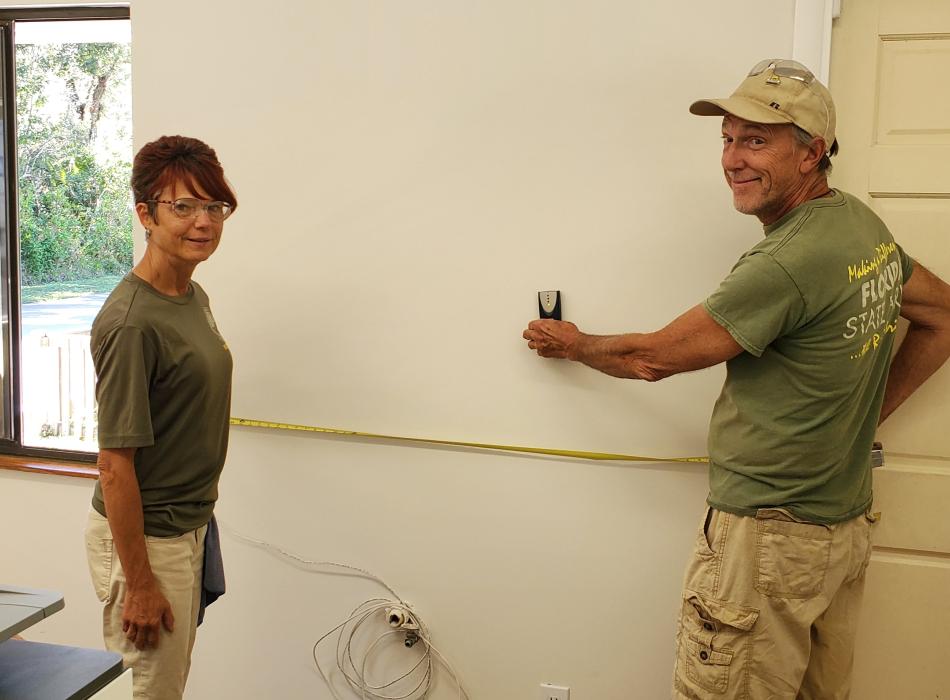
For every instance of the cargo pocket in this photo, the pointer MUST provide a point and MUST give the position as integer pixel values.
(715, 642)
(99, 555)
(791, 557)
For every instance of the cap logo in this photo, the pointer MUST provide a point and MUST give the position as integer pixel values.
(775, 105)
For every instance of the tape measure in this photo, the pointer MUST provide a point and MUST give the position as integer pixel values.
(576, 454)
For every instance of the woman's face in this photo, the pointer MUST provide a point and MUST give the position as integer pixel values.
(187, 241)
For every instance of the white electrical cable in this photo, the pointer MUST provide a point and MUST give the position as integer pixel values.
(300, 560)
(356, 677)
(376, 608)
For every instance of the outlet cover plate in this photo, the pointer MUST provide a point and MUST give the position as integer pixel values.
(550, 691)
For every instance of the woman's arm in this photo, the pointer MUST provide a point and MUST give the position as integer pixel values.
(145, 607)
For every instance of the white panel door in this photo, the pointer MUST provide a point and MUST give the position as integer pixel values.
(890, 72)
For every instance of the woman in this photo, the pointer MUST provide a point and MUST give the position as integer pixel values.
(164, 393)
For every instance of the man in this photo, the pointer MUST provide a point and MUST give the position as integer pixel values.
(805, 322)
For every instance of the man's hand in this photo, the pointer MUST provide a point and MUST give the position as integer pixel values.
(552, 338)
(146, 610)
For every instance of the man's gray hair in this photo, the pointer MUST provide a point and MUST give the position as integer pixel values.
(804, 138)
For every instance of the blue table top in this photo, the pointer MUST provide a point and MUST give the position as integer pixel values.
(22, 607)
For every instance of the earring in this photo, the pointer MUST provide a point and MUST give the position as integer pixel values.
(148, 232)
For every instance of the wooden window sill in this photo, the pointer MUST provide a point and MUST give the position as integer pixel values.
(42, 465)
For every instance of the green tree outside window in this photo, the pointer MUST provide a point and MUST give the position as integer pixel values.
(75, 208)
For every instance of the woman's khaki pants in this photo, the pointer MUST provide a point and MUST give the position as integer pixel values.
(158, 673)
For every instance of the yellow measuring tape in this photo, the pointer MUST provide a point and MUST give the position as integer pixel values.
(578, 454)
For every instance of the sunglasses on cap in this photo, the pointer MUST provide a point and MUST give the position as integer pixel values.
(782, 68)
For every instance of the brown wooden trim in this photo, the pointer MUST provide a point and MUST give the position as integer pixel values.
(65, 12)
(40, 465)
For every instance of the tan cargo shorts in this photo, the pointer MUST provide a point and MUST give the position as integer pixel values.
(770, 607)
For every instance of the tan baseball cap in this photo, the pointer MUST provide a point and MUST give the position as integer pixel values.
(778, 91)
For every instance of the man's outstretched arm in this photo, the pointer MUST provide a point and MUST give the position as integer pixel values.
(692, 341)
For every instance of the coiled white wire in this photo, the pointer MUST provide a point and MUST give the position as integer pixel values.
(349, 663)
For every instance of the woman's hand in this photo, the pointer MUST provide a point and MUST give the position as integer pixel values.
(146, 610)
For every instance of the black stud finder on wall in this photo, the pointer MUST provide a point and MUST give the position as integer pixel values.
(549, 305)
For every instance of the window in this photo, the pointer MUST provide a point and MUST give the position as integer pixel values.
(65, 215)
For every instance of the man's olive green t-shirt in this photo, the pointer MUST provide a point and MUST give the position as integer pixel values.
(163, 384)
(815, 306)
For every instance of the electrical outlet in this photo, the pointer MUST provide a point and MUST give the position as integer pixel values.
(554, 692)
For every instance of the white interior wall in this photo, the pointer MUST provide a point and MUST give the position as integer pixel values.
(525, 568)
(411, 174)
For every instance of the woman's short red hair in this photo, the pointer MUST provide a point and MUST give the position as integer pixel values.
(170, 159)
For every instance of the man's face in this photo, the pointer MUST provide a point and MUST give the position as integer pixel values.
(763, 167)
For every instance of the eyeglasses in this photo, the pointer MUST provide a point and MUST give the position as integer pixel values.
(782, 68)
(188, 208)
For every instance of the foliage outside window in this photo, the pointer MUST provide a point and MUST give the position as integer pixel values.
(74, 208)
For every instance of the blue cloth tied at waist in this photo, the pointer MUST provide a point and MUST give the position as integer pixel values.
(212, 573)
